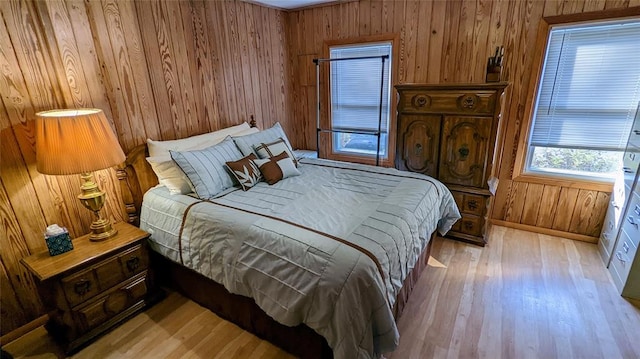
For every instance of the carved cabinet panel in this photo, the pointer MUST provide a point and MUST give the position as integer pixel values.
(420, 139)
(450, 132)
(464, 150)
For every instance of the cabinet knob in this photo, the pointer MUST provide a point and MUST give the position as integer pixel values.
(620, 257)
(472, 204)
(82, 287)
(418, 149)
(133, 264)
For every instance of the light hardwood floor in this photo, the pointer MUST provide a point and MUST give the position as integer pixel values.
(525, 295)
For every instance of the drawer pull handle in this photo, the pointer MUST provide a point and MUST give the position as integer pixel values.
(625, 247)
(133, 264)
(627, 169)
(620, 258)
(631, 220)
(637, 210)
(472, 204)
(632, 156)
(82, 287)
(468, 225)
(637, 132)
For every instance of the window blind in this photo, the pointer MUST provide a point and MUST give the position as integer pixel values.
(355, 87)
(590, 87)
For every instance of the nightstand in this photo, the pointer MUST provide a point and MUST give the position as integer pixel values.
(95, 286)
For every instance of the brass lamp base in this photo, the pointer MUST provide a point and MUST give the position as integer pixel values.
(93, 199)
(101, 229)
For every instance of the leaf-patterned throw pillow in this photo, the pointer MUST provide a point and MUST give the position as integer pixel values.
(245, 171)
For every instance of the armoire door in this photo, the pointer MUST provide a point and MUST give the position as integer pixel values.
(464, 150)
(420, 137)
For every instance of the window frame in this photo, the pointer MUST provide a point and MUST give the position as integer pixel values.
(326, 138)
(519, 170)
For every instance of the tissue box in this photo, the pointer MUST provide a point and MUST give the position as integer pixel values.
(59, 243)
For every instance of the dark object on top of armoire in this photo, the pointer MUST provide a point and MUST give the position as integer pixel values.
(451, 132)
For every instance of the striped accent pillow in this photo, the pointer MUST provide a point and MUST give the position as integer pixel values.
(268, 150)
(246, 143)
(206, 168)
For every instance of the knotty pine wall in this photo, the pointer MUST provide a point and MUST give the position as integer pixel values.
(449, 42)
(158, 69)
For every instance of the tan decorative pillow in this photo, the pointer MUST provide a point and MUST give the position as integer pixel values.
(277, 168)
(245, 171)
(268, 150)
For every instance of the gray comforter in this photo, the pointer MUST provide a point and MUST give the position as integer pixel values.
(330, 248)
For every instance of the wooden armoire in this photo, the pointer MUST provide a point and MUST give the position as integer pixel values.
(451, 132)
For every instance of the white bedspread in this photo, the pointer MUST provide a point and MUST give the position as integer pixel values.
(281, 245)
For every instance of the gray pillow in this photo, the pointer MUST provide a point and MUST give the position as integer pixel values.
(206, 168)
(246, 143)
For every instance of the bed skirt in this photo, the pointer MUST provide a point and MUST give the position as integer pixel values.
(301, 340)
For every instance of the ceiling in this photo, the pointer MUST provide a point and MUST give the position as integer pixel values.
(291, 4)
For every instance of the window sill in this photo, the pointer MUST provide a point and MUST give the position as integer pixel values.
(603, 185)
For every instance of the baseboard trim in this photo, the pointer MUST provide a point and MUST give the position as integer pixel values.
(547, 231)
(18, 332)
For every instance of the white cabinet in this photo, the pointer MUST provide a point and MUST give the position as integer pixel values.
(620, 236)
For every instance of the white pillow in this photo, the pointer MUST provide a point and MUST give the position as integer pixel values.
(170, 175)
(168, 172)
(198, 142)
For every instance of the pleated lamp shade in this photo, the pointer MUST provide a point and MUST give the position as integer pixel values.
(75, 141)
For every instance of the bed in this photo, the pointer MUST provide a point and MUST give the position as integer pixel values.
(321, 263)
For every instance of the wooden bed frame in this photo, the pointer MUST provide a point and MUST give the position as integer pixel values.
(136, 177)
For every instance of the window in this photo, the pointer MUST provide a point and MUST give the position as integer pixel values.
(356, 96)
(587, 98)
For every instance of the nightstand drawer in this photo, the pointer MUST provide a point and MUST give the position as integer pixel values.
(117, 301)
(470, 203)
(104, 275)
(133, 261)
(80, 286)
(469, 224)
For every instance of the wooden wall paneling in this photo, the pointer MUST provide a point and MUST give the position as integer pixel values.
(376, 17)
(192, 89)
(566, 206)
(463, 65)
(589, 212)
(105, 25)
(450, 45)
(436, 42)
(572, 7)
(517, 202)
(256, 84)
(155, 39)
(245, 59)
(500, 200)
(616, 4)
(421, 43)
(281, 70)
(364, 17)
(181, 38)
(532, 204)
(264, 120)
(594, 5)
(25, 300)
(387, 16)
(202, 67)
(552, 7)
(398, 27)
(410, 43)
(353, 8)
(144, 119)
(480, 50)
(25, 92)
(548, 203)
(230, 26)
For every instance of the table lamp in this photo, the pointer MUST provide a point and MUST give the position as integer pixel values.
(79, 141)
